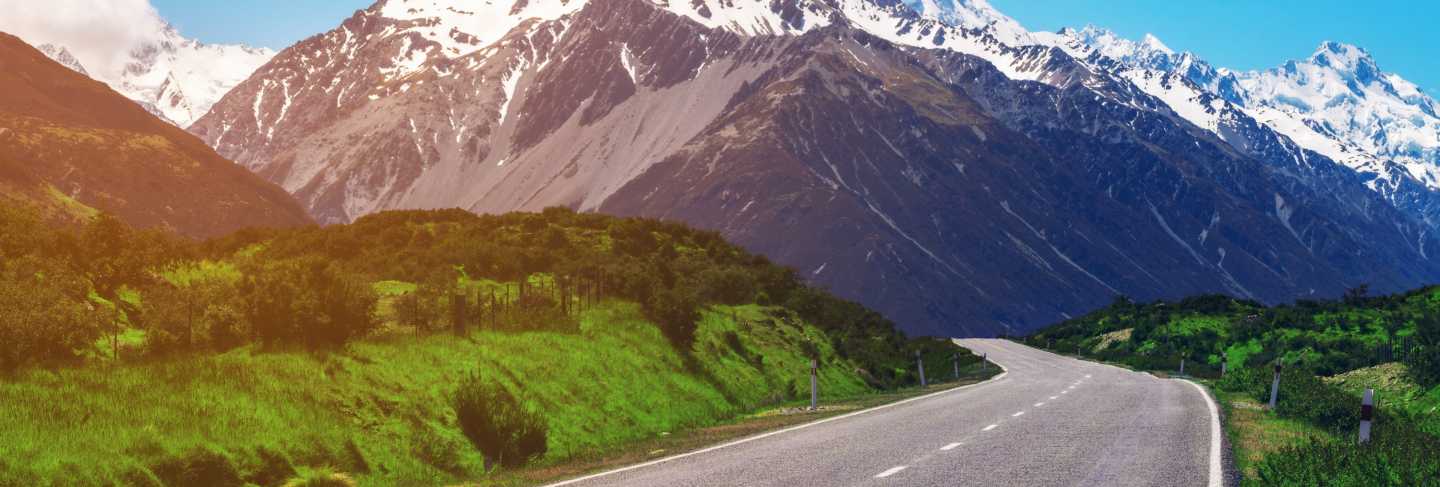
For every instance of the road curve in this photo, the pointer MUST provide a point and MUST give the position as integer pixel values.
(1050, 420)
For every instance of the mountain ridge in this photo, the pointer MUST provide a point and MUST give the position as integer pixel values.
(74, 146)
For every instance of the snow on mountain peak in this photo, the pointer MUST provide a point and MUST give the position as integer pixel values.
(63, 56)
(128, 46)
(1153, 43)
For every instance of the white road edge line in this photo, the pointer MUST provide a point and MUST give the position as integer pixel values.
(1217, 475)
(991, 427)
(890, 472)
(949, 447)
(1001, 375)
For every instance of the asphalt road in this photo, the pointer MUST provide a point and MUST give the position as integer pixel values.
(1049, 420)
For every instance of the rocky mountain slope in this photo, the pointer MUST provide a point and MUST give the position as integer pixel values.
(966, 177)
(73, 146)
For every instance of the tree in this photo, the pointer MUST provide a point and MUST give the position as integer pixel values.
(47, 317)
(308, 301)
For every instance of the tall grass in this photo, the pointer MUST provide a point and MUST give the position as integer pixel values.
(380, 410)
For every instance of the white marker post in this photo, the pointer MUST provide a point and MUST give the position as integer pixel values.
(1224, 359)
(957, 366)
(814, 385)
(921, 365)
(984, 361)
(1367, 413)
(1275, 386)
(1182, 366)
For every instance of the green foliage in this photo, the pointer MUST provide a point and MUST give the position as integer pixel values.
(1398, 457)
(307, 300)
(498, 423)
(675, 311)
(46, 318)
(616, 329)
(1326, 337)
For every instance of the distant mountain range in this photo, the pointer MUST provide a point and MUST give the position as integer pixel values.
(934, 160)
(71, 146)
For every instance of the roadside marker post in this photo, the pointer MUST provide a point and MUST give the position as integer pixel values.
(1275, 386)
(921, 365)
(956, 361)
(1182, 366)
(814, 385)
(1367, 413)
(984, 361)
(1224, 358)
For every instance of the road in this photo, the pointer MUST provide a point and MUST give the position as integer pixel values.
(1049, 420)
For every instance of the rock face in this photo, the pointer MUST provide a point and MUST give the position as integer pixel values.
(71, 146)
(966, 178)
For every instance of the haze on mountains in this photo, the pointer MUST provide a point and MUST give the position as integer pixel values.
(73, 147)
(957, 172)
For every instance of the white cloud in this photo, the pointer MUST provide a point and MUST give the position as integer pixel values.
(100, 33)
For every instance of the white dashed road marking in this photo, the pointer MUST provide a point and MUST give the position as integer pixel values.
(991, 427)
(1016, 415)
(949, 447)
(1038, 404)
(890, 472)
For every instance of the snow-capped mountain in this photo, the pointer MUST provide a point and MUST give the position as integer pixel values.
(180, 78)
(953, 170)
(63, 56)
(1341, 92)
(171, 76)
(1338, 103)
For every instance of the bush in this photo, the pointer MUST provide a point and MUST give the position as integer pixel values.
(1302, 396)
(498, 423)
(46, 317)
(675, 311)
(200, 466)
(308, 301)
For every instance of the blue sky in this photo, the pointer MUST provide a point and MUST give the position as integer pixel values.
(1240, 34)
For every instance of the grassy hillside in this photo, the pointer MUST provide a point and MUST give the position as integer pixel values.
(135, 358)
(1331, 351)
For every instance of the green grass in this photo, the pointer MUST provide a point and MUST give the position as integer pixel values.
(379, 411)
(1255, 432)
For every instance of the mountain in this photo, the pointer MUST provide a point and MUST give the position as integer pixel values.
(965, 177)
(64, 57)
(175, 78)
(1337, 103)
(72, 146)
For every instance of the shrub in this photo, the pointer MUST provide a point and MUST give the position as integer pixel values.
(200, 466)
(46, 317)
(498, 423)
(308, 301)
(674, 310)
(320, 477)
